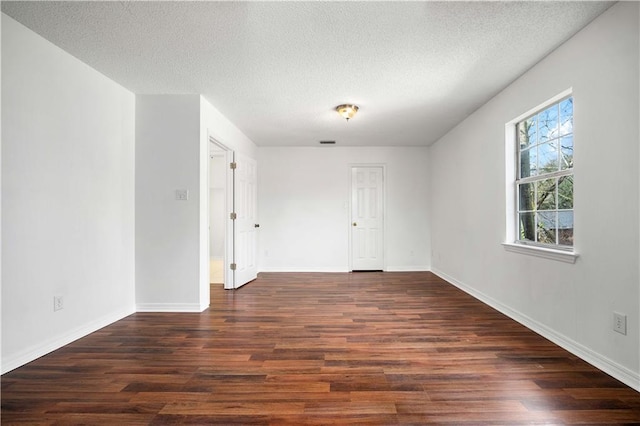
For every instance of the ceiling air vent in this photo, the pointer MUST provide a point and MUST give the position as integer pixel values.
(327, 142)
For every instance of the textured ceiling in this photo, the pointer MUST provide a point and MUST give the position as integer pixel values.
(277, 69)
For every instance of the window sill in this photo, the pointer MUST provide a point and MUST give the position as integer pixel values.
(546, 253)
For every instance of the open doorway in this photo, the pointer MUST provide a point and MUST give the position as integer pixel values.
(217, 197)
(219, 208)
(232, 217)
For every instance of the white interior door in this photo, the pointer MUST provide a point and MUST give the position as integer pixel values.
(367, 221)
(245, 225)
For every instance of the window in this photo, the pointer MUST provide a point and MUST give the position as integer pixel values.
(544, 177)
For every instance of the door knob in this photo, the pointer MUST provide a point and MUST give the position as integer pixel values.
(355, 224)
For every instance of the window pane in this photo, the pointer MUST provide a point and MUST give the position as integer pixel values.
(566, 152)
(548, 124)
(546, 194)
(565, 228)
(546, 227)
(526, 197)
(528, 162)
(545, 159)
(548, 157)
(566, 116)
(565, 192)
(527, 227)
(527, 133)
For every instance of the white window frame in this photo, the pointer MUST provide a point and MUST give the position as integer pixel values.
(511, 242)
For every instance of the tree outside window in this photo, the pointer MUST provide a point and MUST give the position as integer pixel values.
(544, 181)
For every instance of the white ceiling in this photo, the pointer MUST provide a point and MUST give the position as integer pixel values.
(277, 69)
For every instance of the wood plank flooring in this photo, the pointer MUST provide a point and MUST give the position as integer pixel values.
(318, 349)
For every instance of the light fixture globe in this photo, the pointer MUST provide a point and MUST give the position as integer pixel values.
(347, 110)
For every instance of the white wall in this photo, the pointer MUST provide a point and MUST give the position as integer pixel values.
(303, 207)
(67, 197)
(167, 230)
(571, 304)
(217, 126)
(1, 363)
(172, 153)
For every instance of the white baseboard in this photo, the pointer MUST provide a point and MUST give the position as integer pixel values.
(304, 269)
(36, 351)
(620, 372)
(418, 268)
(169, 307)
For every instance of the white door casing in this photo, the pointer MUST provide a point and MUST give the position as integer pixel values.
(245, 224)
(367, 218)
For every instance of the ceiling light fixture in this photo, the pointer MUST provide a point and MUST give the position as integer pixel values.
(347, 111)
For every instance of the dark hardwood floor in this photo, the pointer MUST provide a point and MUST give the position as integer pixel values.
(296, 349)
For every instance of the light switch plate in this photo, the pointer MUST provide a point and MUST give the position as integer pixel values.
(182, 194)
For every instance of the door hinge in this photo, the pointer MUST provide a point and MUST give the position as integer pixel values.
(233, 266)
(233, 216)
(233, 165)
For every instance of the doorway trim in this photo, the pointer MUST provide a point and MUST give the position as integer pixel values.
(229, 282)
(384, 211)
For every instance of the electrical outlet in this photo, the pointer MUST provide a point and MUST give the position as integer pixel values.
(620, 323)
(58, 303)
